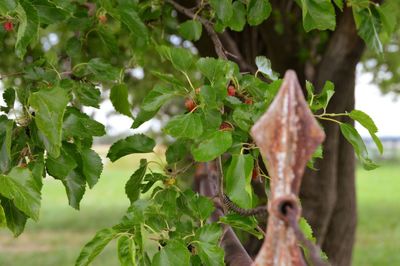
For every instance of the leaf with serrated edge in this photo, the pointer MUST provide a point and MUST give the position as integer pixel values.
(91, 166)
(133, 144)
(18, 186)
(132, 187)
(49, 108)
(119, 98)
(212, 147)
(95, 246)
(126, 251)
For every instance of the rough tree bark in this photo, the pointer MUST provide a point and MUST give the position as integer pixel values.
(327, 195)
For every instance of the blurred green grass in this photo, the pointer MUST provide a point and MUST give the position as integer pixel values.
(378, 232)
(62, 231)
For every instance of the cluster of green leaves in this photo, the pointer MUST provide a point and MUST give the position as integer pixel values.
(318, 103)
(100, 41)
(373, 21)
(171, 220)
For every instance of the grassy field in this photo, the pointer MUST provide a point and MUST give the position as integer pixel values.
(62, 231)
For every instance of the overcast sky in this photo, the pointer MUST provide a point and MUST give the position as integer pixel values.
(383, 109)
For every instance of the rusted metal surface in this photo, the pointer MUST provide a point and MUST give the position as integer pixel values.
(287, 135)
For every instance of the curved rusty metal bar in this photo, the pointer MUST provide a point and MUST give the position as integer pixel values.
(287, 135)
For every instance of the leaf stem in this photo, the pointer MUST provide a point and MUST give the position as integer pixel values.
(329, 119)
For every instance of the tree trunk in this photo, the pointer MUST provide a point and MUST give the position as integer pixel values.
(327, 195)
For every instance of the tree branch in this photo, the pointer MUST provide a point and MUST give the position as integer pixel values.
(229, 42)
(207, 179)
(219, 49)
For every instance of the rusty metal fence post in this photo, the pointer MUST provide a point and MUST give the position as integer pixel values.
(287, 135)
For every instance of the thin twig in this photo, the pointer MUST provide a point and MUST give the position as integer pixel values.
(207, 25)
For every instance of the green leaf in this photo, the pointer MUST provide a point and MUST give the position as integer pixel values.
(3, 221)
(306, 229)
(151, 179)
(49, 12)
(207, 246)
(9, 99)
(91, 166)
(15, 218)
(133, 144)
(191, 30)
(182, 59)
(6, 127)
(132, 187)
(318, 14)
(19, 186)
(175, 253)
(242, 117)
(131, 19)
(119, 98)
(238, 180)
(62, 165)
(80, 125)
(238, 19)
(321, 100)
(195, 205)
(74, 184)
(364, 119)
(258, 11)
(264, 66)
(95, 246)
(367, 122)
(176, 152)
(170, 79)
(354, 138)
(377, 141)
(28, 29)
(223, 9)
(326, 94)
(185, 126)
(308, 233)
(102, 71)
(212, 147)
(49, 108)
(88, 95)
(208, 97)
(6, 6)
(215, 69)
(388, 13)
(142, 117)
(108, 39)
(126, 251)
(369, 25)
(247, 224)
(156, 98)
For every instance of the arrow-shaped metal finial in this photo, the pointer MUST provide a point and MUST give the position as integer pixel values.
(287, 135)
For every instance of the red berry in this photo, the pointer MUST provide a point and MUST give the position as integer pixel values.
(8, 26)
(231, 90)
(190, 104)
(225, 126)
(248, 101)
(102, 19)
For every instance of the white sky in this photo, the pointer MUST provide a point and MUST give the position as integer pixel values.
(383, 109)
